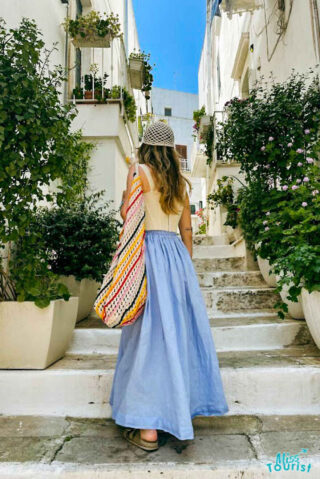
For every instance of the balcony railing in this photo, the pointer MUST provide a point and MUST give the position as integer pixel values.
(184, 164)
(240, 6)
(98, 71)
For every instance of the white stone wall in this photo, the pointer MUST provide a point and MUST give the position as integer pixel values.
(109, 161)
(297, 48)
(240, 50)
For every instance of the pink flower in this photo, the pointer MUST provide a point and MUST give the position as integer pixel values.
(255, 168)
(307, 131)
(299, 150)
(262, 148)
(304, 203)
(268, 213)
(299, 164)
(298, 180)
(265, 222)
(295, 187)
(309, 160)
(285, 187)
(278, 223)
(290, 145)
(315, 192)
(267, 166)
(305, 179)
(270, 138)
(267, 228)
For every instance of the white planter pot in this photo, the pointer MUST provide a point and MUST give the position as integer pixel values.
(34, 338)
(311, 309)
(264, 266)
(86, 290)
(295, 309)
(92, 42)
(136, 70)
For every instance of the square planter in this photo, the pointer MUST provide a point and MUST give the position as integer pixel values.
(204, 127)
(136, 71)
(86, 290)
(34, 338)
(93, 41)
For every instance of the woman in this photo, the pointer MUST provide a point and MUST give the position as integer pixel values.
(167, 370)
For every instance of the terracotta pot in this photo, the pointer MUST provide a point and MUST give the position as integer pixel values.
(88, 94)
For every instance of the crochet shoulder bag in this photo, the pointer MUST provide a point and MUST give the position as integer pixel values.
(123, 292)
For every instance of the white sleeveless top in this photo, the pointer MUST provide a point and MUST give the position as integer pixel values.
(155, 218)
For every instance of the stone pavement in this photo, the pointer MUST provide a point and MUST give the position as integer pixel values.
(224, 447)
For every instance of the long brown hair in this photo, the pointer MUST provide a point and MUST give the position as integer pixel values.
(171, 183)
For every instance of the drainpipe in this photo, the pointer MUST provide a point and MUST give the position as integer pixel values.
(126, 25)
(66, 57)
(315, 23)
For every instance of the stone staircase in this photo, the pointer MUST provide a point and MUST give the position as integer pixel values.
(270, 370)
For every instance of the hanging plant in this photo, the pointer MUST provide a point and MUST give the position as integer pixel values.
(147, 77)
(197, 115)
(128, 100)
(93, 29)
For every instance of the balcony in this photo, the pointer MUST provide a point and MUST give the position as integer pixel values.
(198, 161)
(240, 6)
(184, 165)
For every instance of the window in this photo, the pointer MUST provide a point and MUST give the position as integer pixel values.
(78, 8)
(168, 112)
(182, 150)
(193, 209)
(200, 204)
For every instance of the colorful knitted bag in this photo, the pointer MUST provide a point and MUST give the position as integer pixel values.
(123, 292)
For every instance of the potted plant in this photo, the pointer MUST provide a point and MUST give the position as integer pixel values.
(137, 69)
(226, 197)
(37, 314)
(93, 30)
(93, 84)
(77, 92)
(197, 115)
(80, 239)
(274, 135)
(121, 93)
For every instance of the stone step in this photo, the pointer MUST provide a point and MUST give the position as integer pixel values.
(255, 382)
(235, 334)
(224, 447)
(210, 240)
(239, 299)
(238, 279)
(202, 265)
(215, 251)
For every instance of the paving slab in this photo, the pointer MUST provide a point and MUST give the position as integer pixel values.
(233, 447)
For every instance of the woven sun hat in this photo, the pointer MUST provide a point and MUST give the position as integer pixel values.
(159, 134)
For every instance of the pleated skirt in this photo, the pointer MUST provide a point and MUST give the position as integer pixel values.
(167, 370)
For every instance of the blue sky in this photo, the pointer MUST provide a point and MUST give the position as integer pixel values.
(172, 31)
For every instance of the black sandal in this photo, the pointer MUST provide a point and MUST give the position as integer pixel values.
(133, 436)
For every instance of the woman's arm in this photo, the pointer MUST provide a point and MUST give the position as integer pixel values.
(185, 225)
(126, 193)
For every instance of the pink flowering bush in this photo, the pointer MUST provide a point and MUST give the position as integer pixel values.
(274, 135)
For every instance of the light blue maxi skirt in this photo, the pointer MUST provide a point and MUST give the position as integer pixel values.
(167, 369)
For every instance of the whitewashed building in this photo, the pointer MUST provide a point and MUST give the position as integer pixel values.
(102, 124)
(251, 39)
(176, 108)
